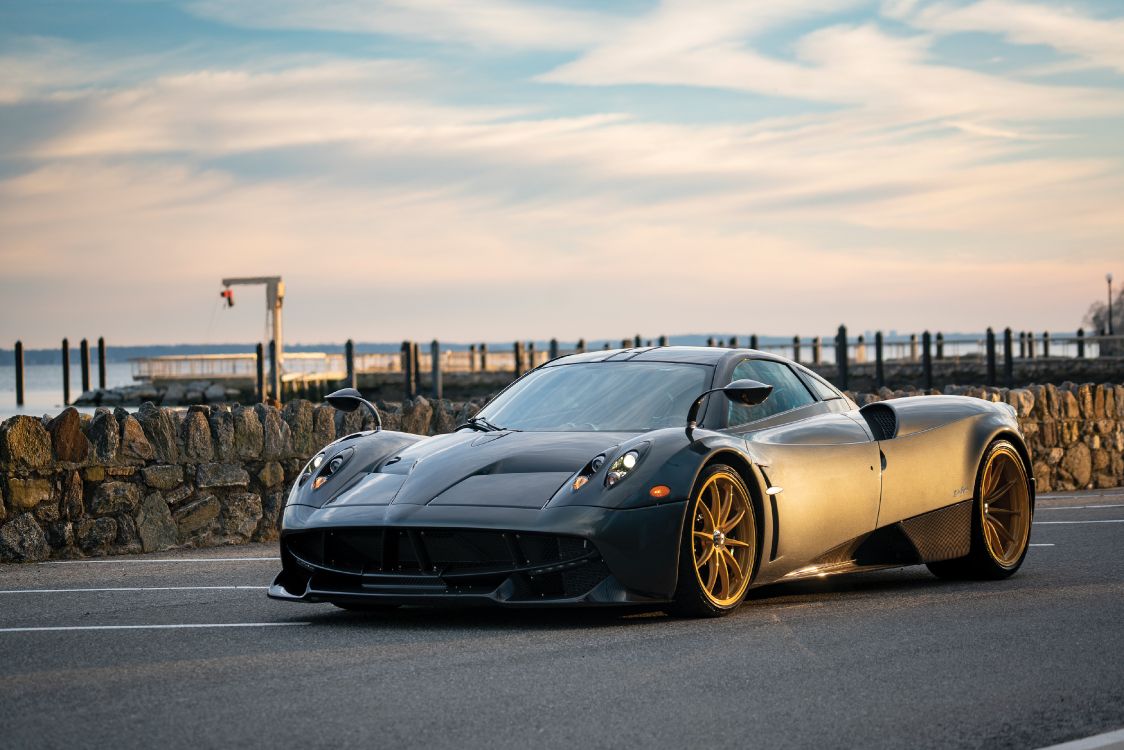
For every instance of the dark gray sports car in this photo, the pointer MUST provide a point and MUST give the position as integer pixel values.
(673, 477)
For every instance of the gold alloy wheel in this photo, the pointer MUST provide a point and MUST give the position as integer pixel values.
(1005, 506)
(723, 539)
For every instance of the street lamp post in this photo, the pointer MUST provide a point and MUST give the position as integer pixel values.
(1108, 278)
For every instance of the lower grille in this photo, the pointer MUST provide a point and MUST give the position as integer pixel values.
(414, 556)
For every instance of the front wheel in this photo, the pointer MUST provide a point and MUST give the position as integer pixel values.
(719, 546)
(1001, 519)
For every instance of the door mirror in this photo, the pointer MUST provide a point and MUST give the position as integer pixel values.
(747, 392)
(349, 399)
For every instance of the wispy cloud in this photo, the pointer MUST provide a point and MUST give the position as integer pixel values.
(482, 23)
(1095, 42)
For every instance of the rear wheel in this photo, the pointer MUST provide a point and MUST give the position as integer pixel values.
(1001, 519)
(719, 546)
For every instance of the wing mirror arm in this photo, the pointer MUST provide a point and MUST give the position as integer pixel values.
(349, 399)
(747, 392)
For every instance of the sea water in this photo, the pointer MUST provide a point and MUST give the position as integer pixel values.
(42, 387)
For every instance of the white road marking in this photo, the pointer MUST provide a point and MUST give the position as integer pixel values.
(1102, 520)
(1079, 507)
(1072, 497)
(1042, 545)
(136, 588)
(164, 560)
(58, 628)
(1104, 741)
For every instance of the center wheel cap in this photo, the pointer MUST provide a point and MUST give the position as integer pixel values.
(719, 538)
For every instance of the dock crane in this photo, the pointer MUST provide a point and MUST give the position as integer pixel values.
(274, 297)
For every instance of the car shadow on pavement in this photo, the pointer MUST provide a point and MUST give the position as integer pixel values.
(840, 590)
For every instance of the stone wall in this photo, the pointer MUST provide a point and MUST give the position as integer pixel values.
(75, 486)
(78, 486)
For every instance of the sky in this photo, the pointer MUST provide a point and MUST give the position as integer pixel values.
(496, 169)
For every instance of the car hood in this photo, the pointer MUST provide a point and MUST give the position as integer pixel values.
(498, 469)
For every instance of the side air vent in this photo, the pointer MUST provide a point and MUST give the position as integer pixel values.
(881, 419)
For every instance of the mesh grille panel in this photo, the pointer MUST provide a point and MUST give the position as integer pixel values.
(942, 534)
(881, 419)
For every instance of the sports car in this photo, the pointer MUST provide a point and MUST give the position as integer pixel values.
(674, 478)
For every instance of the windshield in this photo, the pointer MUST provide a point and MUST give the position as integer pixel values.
(600, 397)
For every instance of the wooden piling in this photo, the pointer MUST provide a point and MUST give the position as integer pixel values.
(101, 362)
(407, 370)
(483, 358)
(991, 374)
(435, 357)
(65, 372)
(517, 350)
(841, 357)
(1045, 343)
(817, 351)
(753, 341)
(879, 367)
(554, 348)
(663, 341)
(530, 355)
(940, 345)
(581, 346)
(927, 360)
(349, 361)
(84, 363)
(472, 357)
(415, 355)
(796, 349)
(276, 391)
(19, 373)
(1081, 343)
(1008, 358)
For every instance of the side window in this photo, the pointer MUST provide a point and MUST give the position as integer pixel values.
(825, 390)
(789, 392)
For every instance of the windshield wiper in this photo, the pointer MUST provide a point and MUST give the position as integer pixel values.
(482, 424)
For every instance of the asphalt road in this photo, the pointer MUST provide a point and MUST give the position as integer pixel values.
(112, 653)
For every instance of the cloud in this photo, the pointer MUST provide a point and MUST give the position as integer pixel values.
(1096, 42)
(856, 66)
(482, 23)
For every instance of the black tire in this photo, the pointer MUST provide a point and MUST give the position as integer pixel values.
(738, 543)
(987, 559)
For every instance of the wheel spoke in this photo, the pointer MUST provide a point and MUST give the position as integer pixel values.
(999, 530)
(703, 535)
(715, 505)
(733, 522)
(992, 509)
(705, 558)
(708, 519)
(724, 574)
(736, 543)
(999, 493)
(731, 560)
(994, 477)
(712, 576)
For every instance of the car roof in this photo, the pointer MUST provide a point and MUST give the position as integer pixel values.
(697, 355)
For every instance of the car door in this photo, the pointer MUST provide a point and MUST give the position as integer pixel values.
(824, 464)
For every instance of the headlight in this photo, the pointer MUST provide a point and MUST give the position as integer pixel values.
(621, 467)
(590, 469)
(310, 467)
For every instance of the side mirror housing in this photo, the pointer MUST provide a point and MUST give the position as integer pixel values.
(349, 399)
(746, 392)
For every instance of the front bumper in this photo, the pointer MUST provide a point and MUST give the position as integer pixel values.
(416, 554)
